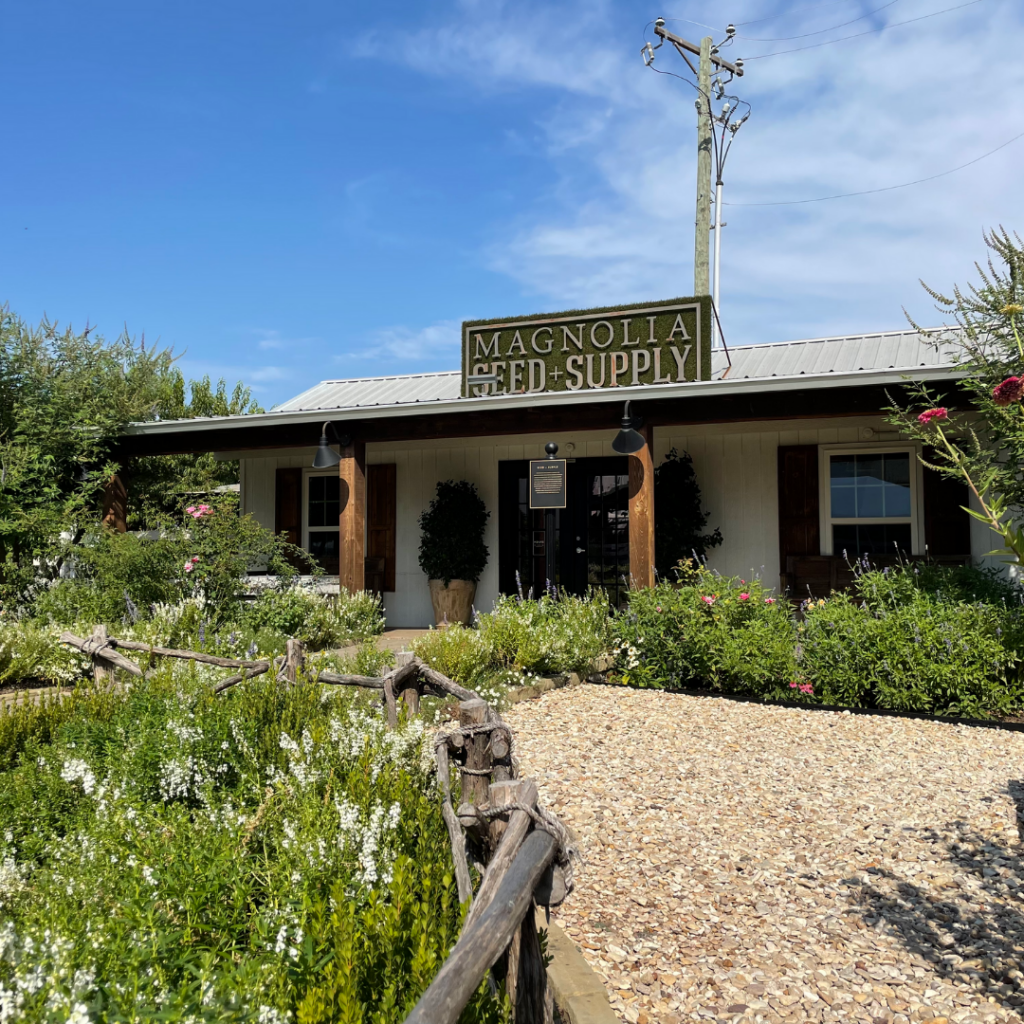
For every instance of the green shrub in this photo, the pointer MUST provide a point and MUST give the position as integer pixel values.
(459, 652)
(708, 631)
(31, 652)
(317, 620)
(267, 855)
(452, 542)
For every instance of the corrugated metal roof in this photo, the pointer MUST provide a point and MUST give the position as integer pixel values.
(891, 350)
(362, 391)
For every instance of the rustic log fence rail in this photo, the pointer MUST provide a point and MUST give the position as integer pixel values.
(521, 851)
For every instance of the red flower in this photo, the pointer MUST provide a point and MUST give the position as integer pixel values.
(1010, 391)
(932, 414)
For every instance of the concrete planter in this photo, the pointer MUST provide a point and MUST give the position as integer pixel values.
(452, 603)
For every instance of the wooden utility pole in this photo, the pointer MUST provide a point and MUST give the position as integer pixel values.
(702, 236)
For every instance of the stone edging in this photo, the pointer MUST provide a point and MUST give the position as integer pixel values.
(577, 988)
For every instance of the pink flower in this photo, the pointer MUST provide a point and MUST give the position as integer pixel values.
(191, 508)
(769, 600)
(793, 686)
(932, 414)
(657, 608)
(189, 567)
(744, 597)
(807, 688)
(707, 600)
(1011, 390)
(195, 558)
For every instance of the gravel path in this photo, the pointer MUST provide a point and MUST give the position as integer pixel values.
(752, 863)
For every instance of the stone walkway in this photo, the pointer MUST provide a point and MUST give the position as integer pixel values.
(766, 864)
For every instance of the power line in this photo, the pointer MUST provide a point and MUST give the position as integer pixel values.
(799, 10)
(869, 32)
(818, 32)
(888, 188)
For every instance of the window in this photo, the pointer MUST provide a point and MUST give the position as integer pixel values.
(870, 501)
(323, 507)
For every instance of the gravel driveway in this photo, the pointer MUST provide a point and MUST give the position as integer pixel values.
(755, 863)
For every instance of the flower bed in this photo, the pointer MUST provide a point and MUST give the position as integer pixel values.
(946, 642)
(269, 855)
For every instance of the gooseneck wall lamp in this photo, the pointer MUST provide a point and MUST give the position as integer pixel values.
(628, 441)
(326, 456)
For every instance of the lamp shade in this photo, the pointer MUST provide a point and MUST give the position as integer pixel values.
(325, 456)
(628, 441)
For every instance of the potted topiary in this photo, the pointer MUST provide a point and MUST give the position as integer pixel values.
(452, 549)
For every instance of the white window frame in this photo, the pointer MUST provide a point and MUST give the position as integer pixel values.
(306, 529)
(916, 518)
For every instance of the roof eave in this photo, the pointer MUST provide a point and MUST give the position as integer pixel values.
(798, 382)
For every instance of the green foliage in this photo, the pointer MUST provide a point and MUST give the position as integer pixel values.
(905, 640)
(317, 620)
(459, 652)
(707, 631)
(452, 541)
(29, 651)
(268, 855)
(206, 556)
(681, 519)
(981, 444)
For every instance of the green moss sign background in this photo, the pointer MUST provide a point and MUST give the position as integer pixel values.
(576, 350)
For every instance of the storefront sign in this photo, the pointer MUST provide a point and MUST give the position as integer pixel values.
(623, 346)
(547, 483)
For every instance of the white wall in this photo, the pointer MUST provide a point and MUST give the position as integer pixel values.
(736, 466)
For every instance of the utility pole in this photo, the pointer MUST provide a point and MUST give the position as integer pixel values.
(709, 147)
(702, 233)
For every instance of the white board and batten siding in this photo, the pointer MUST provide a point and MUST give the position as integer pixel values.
(736, 466)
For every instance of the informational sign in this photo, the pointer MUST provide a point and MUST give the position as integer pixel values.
(623, 346)
(547, 483)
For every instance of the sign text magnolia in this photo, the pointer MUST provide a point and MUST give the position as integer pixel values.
(663, 343)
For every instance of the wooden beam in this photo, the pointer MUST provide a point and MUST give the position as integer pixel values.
(684, 44)
(352, 521)
(115, 504)
(641, 512)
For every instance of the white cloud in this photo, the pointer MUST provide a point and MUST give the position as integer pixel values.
(866, 113)
(437, 344)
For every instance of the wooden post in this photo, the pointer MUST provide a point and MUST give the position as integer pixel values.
(501, 754)
(411, 696)
(295, 658)
(641, 512)
(101, 673)
(475, 788)
(115, 504)
(352, 521)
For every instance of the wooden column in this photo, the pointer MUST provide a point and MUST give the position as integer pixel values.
(641, 512)
(352, 521)
(115, 504)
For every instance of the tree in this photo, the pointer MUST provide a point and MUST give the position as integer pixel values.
(680, 517)
(65, 397)
(982, 443)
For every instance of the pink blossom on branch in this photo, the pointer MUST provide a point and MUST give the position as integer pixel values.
(744, 597)
(707, 600)
(932, 414)
(1011, 390)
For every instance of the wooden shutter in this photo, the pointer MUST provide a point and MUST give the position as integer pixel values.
(947, 527)
(799, 527)
(288, 504)
(381, 523)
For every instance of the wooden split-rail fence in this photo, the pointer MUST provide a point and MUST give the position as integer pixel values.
(522, 853)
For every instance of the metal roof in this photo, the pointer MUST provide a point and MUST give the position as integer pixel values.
(890, 350)
(850, 361)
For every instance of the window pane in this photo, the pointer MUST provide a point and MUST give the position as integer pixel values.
(871, 539)
(323, 546)
(870, 486)
(324, 502)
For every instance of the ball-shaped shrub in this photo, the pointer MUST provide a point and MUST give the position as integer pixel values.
(452, 543)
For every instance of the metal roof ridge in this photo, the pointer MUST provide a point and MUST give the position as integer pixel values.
(923, 333)
(389, 376)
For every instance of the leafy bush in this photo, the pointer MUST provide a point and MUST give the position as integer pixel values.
(681, 516)
(459, 652)
(904, 640)
(708, 631)
(268, 855)
(317, 620)
(32, 652)
(452, 543)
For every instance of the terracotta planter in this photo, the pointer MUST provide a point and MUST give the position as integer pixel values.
(453, 603)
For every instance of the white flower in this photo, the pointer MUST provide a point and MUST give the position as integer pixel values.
(77, 770)
(79, 1014)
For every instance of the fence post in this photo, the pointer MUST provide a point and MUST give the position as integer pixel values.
(476, 775)
(294, 659)
(100, 672)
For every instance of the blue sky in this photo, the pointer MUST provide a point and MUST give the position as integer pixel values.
(287, 193)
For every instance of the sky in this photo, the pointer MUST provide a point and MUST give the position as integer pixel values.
(287, 193)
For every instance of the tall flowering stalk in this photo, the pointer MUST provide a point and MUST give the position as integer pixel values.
(982, 443)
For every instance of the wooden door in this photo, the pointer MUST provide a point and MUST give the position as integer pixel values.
(381, 526)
